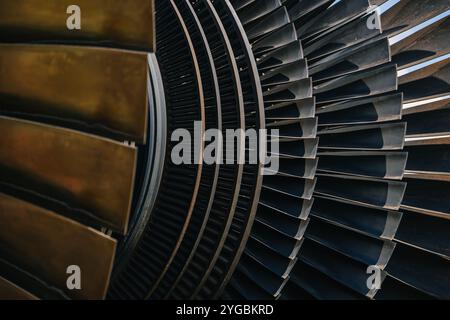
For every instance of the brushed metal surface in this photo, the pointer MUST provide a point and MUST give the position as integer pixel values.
(107, 23)
(92, 88)
(45, 244)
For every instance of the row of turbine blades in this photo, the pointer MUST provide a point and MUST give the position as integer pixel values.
(203, 213)
(334, 89)
(68, 102)
(358, 90)
(381, 180)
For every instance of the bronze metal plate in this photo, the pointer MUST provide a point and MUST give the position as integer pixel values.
(114, 23)
(104, 89)
(45, 244)
(9, 291)
(83, 171)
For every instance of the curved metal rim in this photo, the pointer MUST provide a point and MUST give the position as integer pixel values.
(240, 169)
(202, 143)
(260, 177)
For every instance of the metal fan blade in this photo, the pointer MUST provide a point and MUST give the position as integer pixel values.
(44, 244)
(32, 20)
(354, 97)
(409, 13)
(77, 87)
(72, 171)
(362, 111)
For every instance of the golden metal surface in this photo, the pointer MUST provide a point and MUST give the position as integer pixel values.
(45, 244)
(9, 291)
(107, 22)
(101, 88)
(88, 171)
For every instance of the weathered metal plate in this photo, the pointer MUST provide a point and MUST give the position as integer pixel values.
(103, 91)
(407, 14)
(9, 291)
(114, 23)
(45, 244)
(82, 171)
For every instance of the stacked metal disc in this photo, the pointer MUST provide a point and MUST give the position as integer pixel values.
(355, 92)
